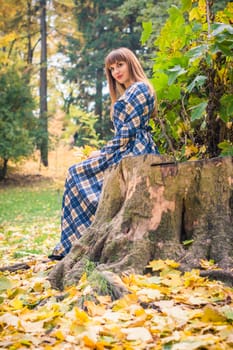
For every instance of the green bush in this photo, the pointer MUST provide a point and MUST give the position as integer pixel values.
(17, 122)
(80, 128)
(192, 75)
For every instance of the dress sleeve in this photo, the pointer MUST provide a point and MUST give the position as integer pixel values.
(127, 120)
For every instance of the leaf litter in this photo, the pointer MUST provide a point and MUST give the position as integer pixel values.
(163, 310)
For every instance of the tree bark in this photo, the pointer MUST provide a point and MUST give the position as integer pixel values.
(43, 86)
(148, 209)
(3, 169)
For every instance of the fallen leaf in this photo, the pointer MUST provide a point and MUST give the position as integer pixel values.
(5, 283)
(138, 333)
(212, 314)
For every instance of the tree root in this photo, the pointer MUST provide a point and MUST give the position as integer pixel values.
(220, 275)
(15, 267)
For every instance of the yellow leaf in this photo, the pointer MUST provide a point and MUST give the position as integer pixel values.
(202, 6)
(104, 299)
(192, 278)
(202, 149)
(112, 330)
(88, 342)
(88, 149)
(100, 346)
(193, 158)
(81, 316)
(172, 263)
(140, 312)
(225, 15)
(194, 14)
(93, 309)
(172, 280)
(212, 314)
(83, 279)
(157, 265)
(59, 335)
(7, 39)
(129, 279)
(38, 287)
(189, 150)
(207, 264)
(17, 304)
(124, 302)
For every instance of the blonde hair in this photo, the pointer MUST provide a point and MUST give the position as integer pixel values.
(136, 72)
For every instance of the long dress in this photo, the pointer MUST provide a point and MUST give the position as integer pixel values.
(84, 182)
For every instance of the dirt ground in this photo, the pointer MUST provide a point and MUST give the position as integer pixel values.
(31, 171)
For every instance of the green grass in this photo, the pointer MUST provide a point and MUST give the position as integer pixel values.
(29, 221)
(26, 204)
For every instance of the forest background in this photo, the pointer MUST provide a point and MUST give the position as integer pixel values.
(52, 60)
(54, 109)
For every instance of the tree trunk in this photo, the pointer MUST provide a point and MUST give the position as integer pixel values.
(43, 86)
(29, 35)
(146, 212)
(99, 100)
(3, 169)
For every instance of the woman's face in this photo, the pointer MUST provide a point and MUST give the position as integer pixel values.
(120, 72)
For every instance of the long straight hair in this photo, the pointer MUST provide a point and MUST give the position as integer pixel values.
(136, 73)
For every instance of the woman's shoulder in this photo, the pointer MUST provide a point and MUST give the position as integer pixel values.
(138, 86)
(134, 90)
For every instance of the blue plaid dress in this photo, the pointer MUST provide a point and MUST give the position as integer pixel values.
(84, 181)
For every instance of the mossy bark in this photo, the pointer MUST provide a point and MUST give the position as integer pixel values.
(146, 212)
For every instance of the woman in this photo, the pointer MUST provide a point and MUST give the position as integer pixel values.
(133, 103)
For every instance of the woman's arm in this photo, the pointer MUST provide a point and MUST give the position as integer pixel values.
(128, 116)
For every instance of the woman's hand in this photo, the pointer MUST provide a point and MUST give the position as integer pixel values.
(94, 154)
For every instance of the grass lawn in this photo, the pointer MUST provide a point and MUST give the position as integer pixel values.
(27, 204)
(29, 220)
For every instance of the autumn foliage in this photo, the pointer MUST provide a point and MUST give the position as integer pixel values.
(162, 310)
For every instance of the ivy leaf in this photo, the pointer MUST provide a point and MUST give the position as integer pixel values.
(147, 30)
(194, 14)
(226, 147)
(221, 28)
(198, 111)
(197, 82)
(174, 72)
(226, 109)
(196, 52)
(223, 46)
(186, 5)
(173, 92)
(160, 82)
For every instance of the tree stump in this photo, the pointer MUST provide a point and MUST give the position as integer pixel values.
(148, 208)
